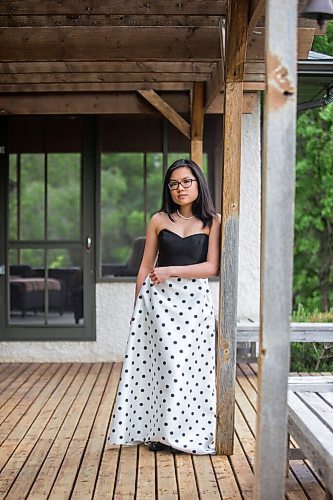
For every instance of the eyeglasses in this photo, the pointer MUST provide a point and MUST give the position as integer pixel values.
(185, 183)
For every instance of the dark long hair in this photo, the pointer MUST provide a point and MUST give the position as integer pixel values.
(202, 207)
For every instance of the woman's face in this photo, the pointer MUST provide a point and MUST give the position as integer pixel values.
(183, 195)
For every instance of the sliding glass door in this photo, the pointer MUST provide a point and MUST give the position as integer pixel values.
(47, 267)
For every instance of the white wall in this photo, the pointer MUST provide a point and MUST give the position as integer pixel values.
(115, 300)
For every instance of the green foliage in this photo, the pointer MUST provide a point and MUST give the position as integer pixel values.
(324, 43)
(313, 261)
(122, 200)
(311, 356)
(57, 262)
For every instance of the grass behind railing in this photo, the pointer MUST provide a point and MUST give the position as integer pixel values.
(311, 356)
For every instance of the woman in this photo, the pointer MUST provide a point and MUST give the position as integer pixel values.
(166, 395)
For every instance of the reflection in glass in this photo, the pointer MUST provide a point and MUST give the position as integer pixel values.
(65, 266)
(26, 286)
(13, 198)
(131, 185)
(39, 298)
(31, 193)
(64, 196)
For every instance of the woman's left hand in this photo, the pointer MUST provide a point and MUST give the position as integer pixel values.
(159, 274)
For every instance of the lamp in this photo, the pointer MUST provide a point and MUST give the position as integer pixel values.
(318, 9)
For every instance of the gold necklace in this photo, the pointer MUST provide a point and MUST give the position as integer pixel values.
(182, 216)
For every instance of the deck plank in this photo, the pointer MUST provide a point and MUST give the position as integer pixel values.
(7, 368)
(22, 439)
(187, 487)
(166, 476)
(54, 422)
(29, 455)
(108, 467)
(14, 428)
(225, 478)
(84, 484)
(66, 425)
(9, 373)
(126, 474)
(206, 481)
(146, 484)
(67, 474)
(20, 392)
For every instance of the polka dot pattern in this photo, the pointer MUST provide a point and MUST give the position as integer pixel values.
(166, 390)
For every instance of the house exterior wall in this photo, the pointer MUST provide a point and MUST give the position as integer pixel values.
(114, 301)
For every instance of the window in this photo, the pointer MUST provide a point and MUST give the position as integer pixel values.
(130, 193)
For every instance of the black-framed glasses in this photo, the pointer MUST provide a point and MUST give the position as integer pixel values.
(185, 183)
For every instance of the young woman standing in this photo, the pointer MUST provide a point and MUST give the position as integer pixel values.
(166, 394)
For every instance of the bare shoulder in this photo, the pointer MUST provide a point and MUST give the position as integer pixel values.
(217, 220)
(157, 220)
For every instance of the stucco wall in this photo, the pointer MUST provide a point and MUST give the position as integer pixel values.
(115, 300)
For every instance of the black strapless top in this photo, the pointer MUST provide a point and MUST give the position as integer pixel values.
(177, 251)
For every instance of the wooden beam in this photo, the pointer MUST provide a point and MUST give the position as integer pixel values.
(91, 103)
(215, 84)
(108, 43)
(256, 46)
(276, 248)
(93, 87)
(167, 111)
(107, 20)
(114, 7)
(256, 11)
(111, 67)
(132, 43)
(253, 81)
(300, 332)
(217, 106)
(226, 349)
(197, 122)
(111, 77)
(236, 42)
(236, 39)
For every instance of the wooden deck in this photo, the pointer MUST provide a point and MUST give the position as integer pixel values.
(53, 424)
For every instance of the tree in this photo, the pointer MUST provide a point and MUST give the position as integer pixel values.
(313, 263)
(324, 43)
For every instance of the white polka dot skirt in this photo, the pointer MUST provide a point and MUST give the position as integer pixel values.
(167, 390)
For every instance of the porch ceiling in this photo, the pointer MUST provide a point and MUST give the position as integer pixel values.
(110, 46)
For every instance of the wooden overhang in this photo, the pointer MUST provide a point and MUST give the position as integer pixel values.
(102, 52)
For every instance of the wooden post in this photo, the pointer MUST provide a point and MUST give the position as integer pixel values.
(236, 43)
(226, 347)
(276, 247)
(197, 122)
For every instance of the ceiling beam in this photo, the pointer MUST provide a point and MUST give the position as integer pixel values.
(124, 103)
(112, 43)
(107, 20)
(93, 87)
(114, 7)
(108, 43)
(167, 111)
(110, 66)
(105, 103)
(43, 78)
(256, 11)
